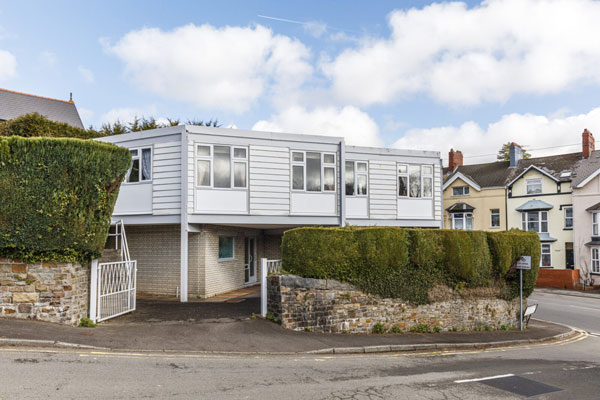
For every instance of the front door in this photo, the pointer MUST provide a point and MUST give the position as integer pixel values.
(570, 259)
(250, 260)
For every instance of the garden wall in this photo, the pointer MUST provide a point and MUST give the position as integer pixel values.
(558, 278)
(320, 305)
(47, 291)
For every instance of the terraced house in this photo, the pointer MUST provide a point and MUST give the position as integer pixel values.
(535, 194)
(202, 204)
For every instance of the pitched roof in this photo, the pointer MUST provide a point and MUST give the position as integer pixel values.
(534, 205)
(460, 207)
(485, 175)
(587, 167)
(14, 104)
(552, 165)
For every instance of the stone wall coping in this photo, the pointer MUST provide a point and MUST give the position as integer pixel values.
(295, 281)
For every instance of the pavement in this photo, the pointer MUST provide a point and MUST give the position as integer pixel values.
(593, 294)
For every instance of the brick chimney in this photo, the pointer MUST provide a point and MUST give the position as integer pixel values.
(516, 154)
(455, 160)
(587, 143)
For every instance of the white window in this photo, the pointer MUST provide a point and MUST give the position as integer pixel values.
(141, 165)
(595, 260)
(313, 172)
(595, 220)
(462, 221)
(356, 177)
(222, 167)
(226, 247)
(568, 218)
(534, 186)
(415, 181)
(536, 221)
(460, 191)
(546, 260)
(495, 214)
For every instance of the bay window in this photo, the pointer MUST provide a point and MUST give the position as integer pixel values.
(595, 260)
(356, 178)
(595, 221)
(536, 221)
(462, 221)
(313, 172)
(546, 260)
(415, 181)
(141, 165)
(221, 167)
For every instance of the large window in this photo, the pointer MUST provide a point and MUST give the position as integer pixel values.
(141, 165)
(460, 191)
(415, 181)
(226, 247)
(546, 260)
(569, 218)
(535, 221)
(313, 172)
(595, 221)
(534, 186)
(221, 167)
(462, 221)
(356, 178)
(595, 260)
(495, 214)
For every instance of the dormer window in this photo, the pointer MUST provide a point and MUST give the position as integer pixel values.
(534, 186)
(460, 191)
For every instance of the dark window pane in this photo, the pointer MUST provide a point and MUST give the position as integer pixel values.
(297, 156)
(328, 158)
(298, 177)
(134, 175)
(239, 153)
(313, 172)
(222, 166)
(225, 247)
(414, 172)
(349, 178)
(403, 186)
(146, 164)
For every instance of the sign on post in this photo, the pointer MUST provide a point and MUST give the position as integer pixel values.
(524, 262)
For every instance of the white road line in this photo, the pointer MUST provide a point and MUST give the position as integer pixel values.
(594, 334)
(587, 308)
(483, 379)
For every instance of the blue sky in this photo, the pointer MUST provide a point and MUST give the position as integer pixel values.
(411, 74)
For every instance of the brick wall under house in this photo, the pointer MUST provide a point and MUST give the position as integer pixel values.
(47, 291)
(558, 278)
(330, 306)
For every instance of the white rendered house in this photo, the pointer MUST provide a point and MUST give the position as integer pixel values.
(203, 204)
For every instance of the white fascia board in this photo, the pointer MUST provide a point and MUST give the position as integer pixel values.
(541, 171)
(588, 179)
(152, 133)
(458, 175)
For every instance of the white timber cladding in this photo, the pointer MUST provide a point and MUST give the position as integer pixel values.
(191, 175)
(269, 180)
(166, 188)
(382, 189)
(437, 192)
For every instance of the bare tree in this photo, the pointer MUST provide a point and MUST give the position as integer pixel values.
(585, 269)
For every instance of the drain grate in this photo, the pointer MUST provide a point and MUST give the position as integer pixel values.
(521, 386)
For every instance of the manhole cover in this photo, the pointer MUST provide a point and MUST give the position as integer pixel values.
(521, 386)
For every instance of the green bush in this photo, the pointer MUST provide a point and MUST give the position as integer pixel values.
(407, 263)
(57, 196)
(36, 125)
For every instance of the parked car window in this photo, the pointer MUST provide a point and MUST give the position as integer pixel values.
(534, 186)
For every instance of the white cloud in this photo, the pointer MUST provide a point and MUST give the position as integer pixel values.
(8, 65)
(48, 58)
(349, 122)
(315, 29)
(86, 74)
(463, 56)
(216, 68)
(531, 131)
(126, 115)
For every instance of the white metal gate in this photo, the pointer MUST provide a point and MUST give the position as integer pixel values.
(113, 284)
(266, 267)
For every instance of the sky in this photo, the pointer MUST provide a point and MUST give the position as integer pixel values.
(413, 74)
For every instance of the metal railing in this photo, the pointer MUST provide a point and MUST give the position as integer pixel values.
(115, 287)
(121, 240)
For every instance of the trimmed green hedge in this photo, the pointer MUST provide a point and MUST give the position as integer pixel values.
(57, 196)
(407, 263)
(36, 125)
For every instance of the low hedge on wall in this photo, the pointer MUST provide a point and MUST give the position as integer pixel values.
(407, 263)
(57, 196)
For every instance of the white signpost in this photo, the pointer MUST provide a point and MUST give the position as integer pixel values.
(522, 263)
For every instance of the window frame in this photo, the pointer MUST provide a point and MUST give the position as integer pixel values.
(232, 249)
(356, 173)
(139, 157)
(422, 177)
(568, 218)
(324, 166)
(492, 213)
(529, 182)
(595, 223)
(540, 221)
(464, 219)
(232, 161)
(466, 190)
(596, 261)
(549, 253)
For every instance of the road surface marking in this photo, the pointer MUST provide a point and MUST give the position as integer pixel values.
(594, 334)
(484, 379)
(587, 308)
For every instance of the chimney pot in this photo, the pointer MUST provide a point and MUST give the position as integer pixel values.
(455, 160)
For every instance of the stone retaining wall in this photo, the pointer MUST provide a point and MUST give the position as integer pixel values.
(330, 306)
(48, 291)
